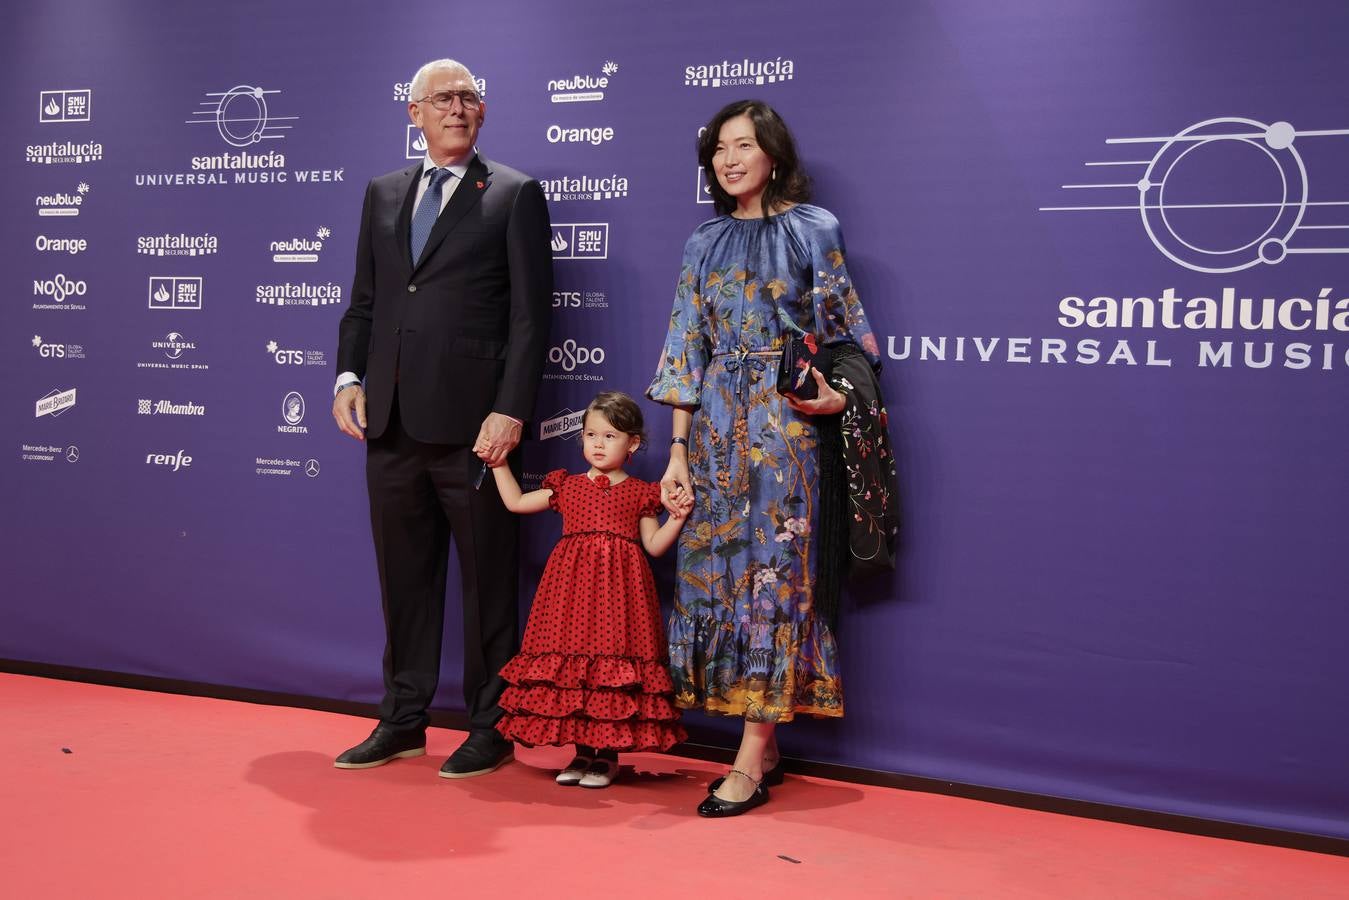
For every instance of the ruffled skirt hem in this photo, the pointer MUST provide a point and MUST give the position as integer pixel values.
(611, 702)
(634, 736)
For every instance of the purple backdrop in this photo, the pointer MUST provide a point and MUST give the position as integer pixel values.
(1122, 578)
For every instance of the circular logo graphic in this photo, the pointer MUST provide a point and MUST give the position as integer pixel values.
(241, 116)
(1225, 194)
(292, 408)
(311, 468)
(174, 340)
(72, 454)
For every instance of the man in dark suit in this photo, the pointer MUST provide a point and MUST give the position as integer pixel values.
(447, 328)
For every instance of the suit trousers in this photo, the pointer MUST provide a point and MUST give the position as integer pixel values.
(422, 496)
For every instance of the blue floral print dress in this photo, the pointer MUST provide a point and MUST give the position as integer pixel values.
(744, 639)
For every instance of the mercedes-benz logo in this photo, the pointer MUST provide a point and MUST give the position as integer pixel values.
(72, 453)
(311, 468)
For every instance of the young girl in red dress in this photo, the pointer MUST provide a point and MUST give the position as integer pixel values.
(593, 667)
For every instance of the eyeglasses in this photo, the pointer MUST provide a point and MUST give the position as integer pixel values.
(445, 99)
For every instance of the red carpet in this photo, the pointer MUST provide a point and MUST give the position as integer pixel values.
(178, 797)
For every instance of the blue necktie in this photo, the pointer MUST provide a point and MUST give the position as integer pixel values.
(427, 213)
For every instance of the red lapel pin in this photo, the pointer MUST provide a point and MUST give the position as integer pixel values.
(481, 185)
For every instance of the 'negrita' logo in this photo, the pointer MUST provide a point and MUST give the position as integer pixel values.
(292, 412)
(1222, 195)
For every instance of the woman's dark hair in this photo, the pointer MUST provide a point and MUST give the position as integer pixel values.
(620, 410)
(789, 183)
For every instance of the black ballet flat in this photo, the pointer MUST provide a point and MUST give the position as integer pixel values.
(713, 807)
(772, 778)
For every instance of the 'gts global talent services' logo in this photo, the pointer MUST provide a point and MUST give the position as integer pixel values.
(48, 350)
(286, 356)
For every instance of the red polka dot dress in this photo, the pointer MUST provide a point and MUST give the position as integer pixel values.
(593, 666)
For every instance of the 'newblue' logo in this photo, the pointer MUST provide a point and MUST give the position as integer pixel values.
(582, 88)
(1222, 195)
(241, 116)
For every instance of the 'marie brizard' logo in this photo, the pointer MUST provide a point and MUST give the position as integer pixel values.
(1224, 195)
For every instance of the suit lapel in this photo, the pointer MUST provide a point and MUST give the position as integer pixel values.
(403, 225)
(467, 195)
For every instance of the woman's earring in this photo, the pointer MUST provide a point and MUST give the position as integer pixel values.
(773, 174)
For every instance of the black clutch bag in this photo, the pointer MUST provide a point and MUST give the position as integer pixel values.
(799, 355)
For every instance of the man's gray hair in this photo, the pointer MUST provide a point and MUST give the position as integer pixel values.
(424, 75)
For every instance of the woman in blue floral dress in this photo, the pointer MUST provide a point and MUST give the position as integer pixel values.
(744, 638)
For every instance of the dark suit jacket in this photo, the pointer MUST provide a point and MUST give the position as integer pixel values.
(464, 331)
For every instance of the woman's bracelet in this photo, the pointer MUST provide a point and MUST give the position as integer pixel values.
(679, 440)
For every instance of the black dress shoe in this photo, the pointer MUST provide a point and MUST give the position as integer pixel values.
(483, 752)
(383, 745)
(714, 807)
(772, 778)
